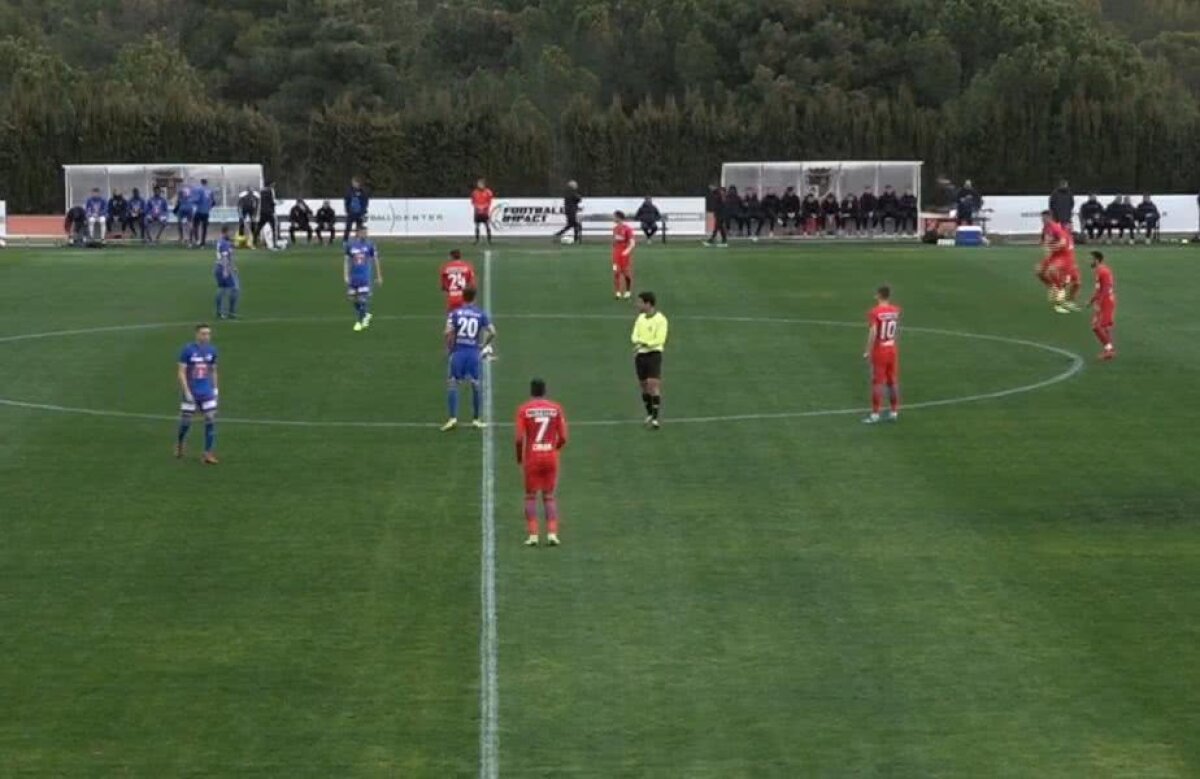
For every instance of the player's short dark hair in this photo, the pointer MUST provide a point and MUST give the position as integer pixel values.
(884, 292)
(469, 294)
(619, 214)
(224, 229)
(203, 326)
(204, 182)
(1047, 213)
(455, 254)
(1098, 256)
(537, 388)
(648, 297)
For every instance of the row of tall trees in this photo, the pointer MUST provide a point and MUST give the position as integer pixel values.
(422, 96)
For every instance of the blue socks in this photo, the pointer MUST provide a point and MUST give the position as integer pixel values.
(452, 401)
(220, 299)
(476, 392)
(234, 294)
(360, 308)
(210, 435)
(184, 426)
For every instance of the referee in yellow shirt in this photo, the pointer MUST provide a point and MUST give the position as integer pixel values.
(649, 338)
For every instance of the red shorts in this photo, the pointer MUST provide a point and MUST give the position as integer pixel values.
(622, 263)
(1106, 313)
(885, 367)
(541, 476)
(1068, 272)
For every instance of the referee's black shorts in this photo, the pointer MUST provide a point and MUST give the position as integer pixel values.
(648, 365)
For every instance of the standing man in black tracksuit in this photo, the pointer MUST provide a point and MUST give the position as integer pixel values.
(720, 215)
(571, 202)
(248, 212)
(1062, 204)
(266, 214)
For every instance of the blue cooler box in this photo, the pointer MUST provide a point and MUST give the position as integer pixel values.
(968, 236)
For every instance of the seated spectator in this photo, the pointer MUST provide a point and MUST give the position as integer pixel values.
(829, 212)
(754, 213)
(135, 215)
(648, 216)
(771, 207)
(888, 208)
(1147, 216)
(790, 209)
(326, 220)
(118, 209)
(810, 212)
(157, 215)
(909, 212)
(1091, 218)
(868, 211)
(848, 214)
(75, 226)
(96, 208)
(300, 218)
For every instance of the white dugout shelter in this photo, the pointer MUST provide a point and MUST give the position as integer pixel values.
(838, 176)
(226, 181)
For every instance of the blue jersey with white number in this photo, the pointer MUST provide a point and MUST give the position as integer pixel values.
(467, 325)
(360, 256)
(199, 361)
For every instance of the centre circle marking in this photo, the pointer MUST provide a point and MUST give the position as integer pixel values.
(1076, 365)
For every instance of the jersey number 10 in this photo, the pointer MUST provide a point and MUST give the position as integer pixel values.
(887, 331)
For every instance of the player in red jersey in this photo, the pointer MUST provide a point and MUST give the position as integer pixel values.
(1104, 306)
(883, 329)
(622, 257)
(541, 429)
(457, 274)
(1057, 269)
(481, 205)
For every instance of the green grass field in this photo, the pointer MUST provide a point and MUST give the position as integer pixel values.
(1002, 584)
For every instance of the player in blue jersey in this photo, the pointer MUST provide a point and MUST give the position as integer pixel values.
(468, 332)
(185, 207)
(362, 261)
(198, 387)
(229, 286)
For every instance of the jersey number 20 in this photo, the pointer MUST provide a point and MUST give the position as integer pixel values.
(468, 327)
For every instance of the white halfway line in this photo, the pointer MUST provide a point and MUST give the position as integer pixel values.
(489, 693)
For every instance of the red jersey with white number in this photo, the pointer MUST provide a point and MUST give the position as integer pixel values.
(884, 320)
(1057, 234)
(481, 200)
(541, 429)
(622, 241)
(457, 275)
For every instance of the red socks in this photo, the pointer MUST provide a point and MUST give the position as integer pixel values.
(531, 518)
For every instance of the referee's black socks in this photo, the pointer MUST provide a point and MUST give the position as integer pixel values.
(655, 403)
(648, 402)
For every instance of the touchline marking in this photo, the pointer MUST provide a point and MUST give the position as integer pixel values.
(489, 669)
(1073, 369)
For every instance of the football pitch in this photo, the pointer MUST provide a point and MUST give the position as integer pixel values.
(1005, 582)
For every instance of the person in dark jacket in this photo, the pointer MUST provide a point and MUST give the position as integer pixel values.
(754, 213)
(1091, 218)
(790, 209)
(735, 216)
(770, 211)
(247, 212)
(326, 220)
(712, 205)
(888, 208)
(118, 210)
(75, 226)
(300, 218)
(135, 215)
(1118, 220)
(648, 217)
(1147, 216)
(810, 212)
(719, 218)
(848, 214)
(571, 201)
(266, 215)
(908, 212)
(356, 203)
(1062, 204)
(868, 211)
(829, 212)
(967, 203)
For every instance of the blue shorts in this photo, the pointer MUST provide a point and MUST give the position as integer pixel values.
(465, 365)
(206, 404)
(227, 282)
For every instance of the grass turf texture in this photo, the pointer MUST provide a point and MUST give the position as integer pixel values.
(1003, 587)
